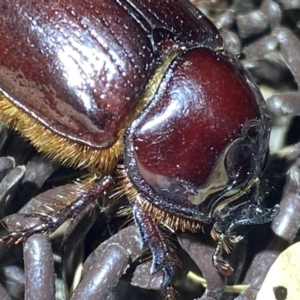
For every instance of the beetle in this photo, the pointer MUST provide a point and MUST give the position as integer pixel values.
(144, 91)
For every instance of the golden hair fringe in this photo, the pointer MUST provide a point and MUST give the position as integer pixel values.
(158, 214)
(124, 186)
(171, 220)
(56, 147)
(227, 244)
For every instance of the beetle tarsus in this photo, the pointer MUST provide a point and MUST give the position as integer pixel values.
(218, 261)
(170, 293)
(17, 237)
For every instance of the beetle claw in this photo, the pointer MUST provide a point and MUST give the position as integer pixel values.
(169, 272)
(163, 262)
(223, 267)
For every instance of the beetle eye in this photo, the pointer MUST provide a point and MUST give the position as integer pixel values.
(239, 163)
(242, 159)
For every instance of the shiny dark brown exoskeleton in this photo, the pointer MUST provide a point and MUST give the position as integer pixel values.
(148, 84)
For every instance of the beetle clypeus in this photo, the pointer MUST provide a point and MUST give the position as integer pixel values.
(144, 89)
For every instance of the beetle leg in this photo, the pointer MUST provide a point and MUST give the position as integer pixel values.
(51, 223)
(223, 232)
(217, 259)
(152, 237)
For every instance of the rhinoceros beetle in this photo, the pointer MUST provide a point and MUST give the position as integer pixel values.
(145, 93)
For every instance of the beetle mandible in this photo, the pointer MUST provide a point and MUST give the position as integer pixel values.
(148, 84)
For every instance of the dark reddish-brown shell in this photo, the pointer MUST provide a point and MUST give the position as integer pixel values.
(80, 67)
(200, 110)
(204, 136)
